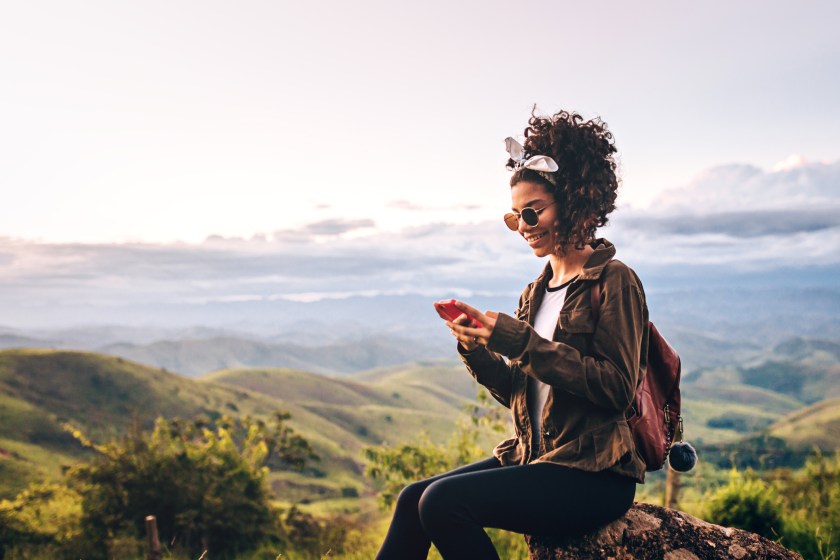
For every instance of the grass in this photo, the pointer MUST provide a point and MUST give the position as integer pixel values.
(817, 425)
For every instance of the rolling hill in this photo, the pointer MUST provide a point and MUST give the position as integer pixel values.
(817, 425)
(45, 390)
(42, 391)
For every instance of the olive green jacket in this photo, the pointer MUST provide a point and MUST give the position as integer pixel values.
(593, 370)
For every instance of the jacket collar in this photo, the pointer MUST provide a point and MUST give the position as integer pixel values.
(592, 268)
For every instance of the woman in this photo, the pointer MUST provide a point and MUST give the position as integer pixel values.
(568, 381)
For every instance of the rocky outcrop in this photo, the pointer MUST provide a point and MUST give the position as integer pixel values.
(649, 532)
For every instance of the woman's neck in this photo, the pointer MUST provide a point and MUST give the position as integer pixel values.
(567, 266)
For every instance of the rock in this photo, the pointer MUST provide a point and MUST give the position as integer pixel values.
(648, 532)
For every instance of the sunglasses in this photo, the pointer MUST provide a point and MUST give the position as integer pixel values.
(528, 215)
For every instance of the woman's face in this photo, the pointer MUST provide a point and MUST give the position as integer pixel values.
(541, 237)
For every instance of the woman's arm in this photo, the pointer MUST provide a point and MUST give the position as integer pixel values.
(490, 370)
(487, 367)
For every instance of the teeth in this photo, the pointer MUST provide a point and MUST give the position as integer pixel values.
(535, 237)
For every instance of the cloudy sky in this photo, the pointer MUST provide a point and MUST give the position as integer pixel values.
(209, 150)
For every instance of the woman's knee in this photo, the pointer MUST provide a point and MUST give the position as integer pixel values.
(409, 497)
(436, 503)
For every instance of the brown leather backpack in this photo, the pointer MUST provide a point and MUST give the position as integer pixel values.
(654, 417)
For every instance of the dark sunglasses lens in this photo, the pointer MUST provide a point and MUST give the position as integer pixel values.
(511, 221)
(529, 216)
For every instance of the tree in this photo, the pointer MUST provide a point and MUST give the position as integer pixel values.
(206, 484)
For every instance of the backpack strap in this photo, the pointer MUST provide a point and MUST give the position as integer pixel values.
(595, 300)
(595, 297)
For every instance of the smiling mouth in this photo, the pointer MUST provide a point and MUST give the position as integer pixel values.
(533, 238)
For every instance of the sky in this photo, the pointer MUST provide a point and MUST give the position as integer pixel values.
(217, 151)
(175, 121)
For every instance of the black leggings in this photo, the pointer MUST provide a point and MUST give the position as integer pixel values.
(451, 509)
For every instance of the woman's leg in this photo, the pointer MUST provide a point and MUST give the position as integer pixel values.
(406, 539)
(538, 499)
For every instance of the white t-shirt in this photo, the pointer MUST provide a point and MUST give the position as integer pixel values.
(545, 324)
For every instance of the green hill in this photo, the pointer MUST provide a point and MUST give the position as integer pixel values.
(817, 425)
(787, 442)
(43, 391)
(388, 408)
(727, 404)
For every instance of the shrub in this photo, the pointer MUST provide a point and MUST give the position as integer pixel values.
(748, 503)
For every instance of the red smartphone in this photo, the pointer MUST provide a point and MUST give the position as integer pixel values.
(447, 307)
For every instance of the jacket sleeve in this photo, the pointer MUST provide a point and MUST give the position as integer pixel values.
(491, 371)
(607, 378)
(489, 368)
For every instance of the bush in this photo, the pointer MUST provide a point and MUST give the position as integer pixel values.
(205, 484)
(45, 515)
(812, 505)
(748, 503)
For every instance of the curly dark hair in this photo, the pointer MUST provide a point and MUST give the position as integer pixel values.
(586, 181)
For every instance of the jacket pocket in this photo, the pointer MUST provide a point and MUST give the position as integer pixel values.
(578, 321)
(611, 444)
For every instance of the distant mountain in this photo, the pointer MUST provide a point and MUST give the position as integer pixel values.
(19, 341)
(714, 315)
(807, 369)
(814, 350)
(195, 357)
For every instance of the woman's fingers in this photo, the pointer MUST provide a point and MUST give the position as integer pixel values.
(471, 311)
(463, 320)
(468, 342)
(466, 326)
(487, 320)
(463, 333)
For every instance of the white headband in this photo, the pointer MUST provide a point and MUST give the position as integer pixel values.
(543, 165)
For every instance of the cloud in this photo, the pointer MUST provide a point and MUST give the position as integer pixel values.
(746, 188)
(405, 205)
(740, 216)
(337, 226)
(792, 219)
(791, 162)
(737, 224)
(409, 206)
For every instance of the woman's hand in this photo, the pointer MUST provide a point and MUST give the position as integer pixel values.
(463, 329)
